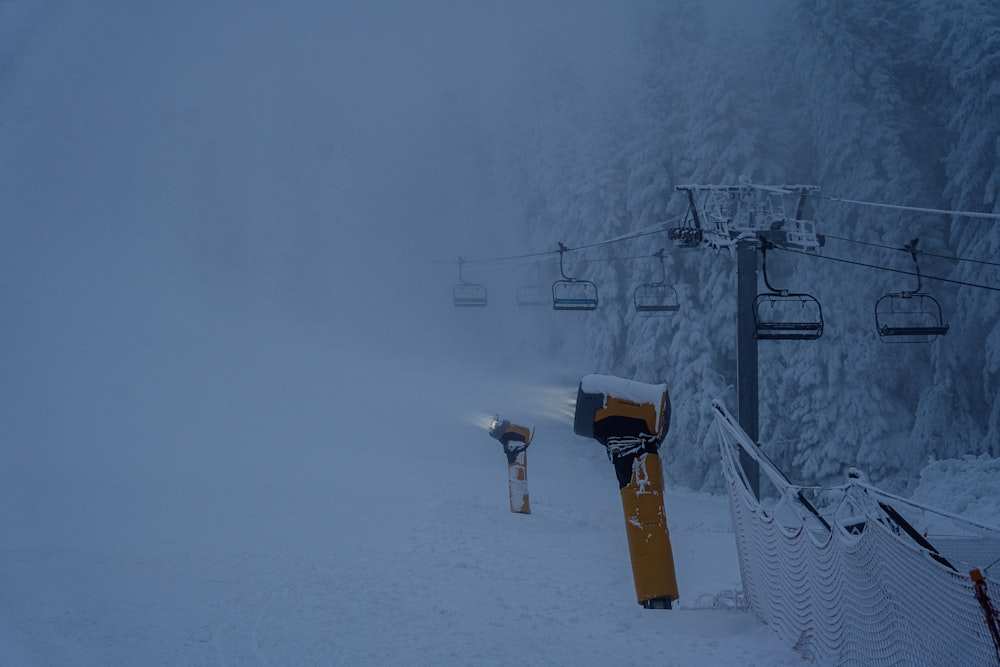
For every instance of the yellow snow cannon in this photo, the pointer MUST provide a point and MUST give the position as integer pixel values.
(515, 440)
(631, 420)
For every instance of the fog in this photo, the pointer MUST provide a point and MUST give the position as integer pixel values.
(230, 235)
(174, 175)
(277, 145)
(227, 248)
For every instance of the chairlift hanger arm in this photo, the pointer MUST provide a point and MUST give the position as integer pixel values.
(563, 249)
(911, 247)
(764, 246)
(803, 192)
(663, 270)
(692, 204)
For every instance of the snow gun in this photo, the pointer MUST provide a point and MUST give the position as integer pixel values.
(631, 419)
(515, 440)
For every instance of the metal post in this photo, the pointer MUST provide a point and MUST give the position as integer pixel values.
(746, 354)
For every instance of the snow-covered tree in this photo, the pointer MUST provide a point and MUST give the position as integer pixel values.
(880, 102)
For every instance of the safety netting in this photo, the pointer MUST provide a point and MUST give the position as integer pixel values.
(854, 575)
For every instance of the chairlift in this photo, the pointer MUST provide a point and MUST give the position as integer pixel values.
(909, 317)
(572, 293)
(784, 315)
(689, 234)
(534, 294)
(467, 294)
(656, 298)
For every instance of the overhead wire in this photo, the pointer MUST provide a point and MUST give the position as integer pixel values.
(922, 252)
(648, 231)
(887, 268)
(662, 226)
(615, 259)
(658, 228)
(901, 207)
(791, 250)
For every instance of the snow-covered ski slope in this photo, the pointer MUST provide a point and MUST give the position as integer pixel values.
(305, 511)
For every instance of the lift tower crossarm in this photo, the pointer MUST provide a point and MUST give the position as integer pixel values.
(724, 214)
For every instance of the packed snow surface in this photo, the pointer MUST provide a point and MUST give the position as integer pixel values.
(299, 514)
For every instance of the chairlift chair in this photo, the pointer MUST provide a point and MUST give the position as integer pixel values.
(784, 315)
(468, 295)
(572, 293)
(656, 298)
(534, 294)
(801, 235)
(909, 317)
(688, 235)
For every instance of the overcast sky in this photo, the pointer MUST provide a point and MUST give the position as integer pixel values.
(286, 151)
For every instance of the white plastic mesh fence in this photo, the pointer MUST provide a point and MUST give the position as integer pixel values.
(855, 576)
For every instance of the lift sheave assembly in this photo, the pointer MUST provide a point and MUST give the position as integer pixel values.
(631, 419)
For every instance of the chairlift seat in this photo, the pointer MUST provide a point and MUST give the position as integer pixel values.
(532, 295)
(886, 330)
(685, 237)
(788, 331)
(468, 295)
(655, 299)
(909, 317)
(801, 235)
(574, 295)
(787, 317)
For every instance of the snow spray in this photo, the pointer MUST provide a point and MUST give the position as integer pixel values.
(631, 419)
